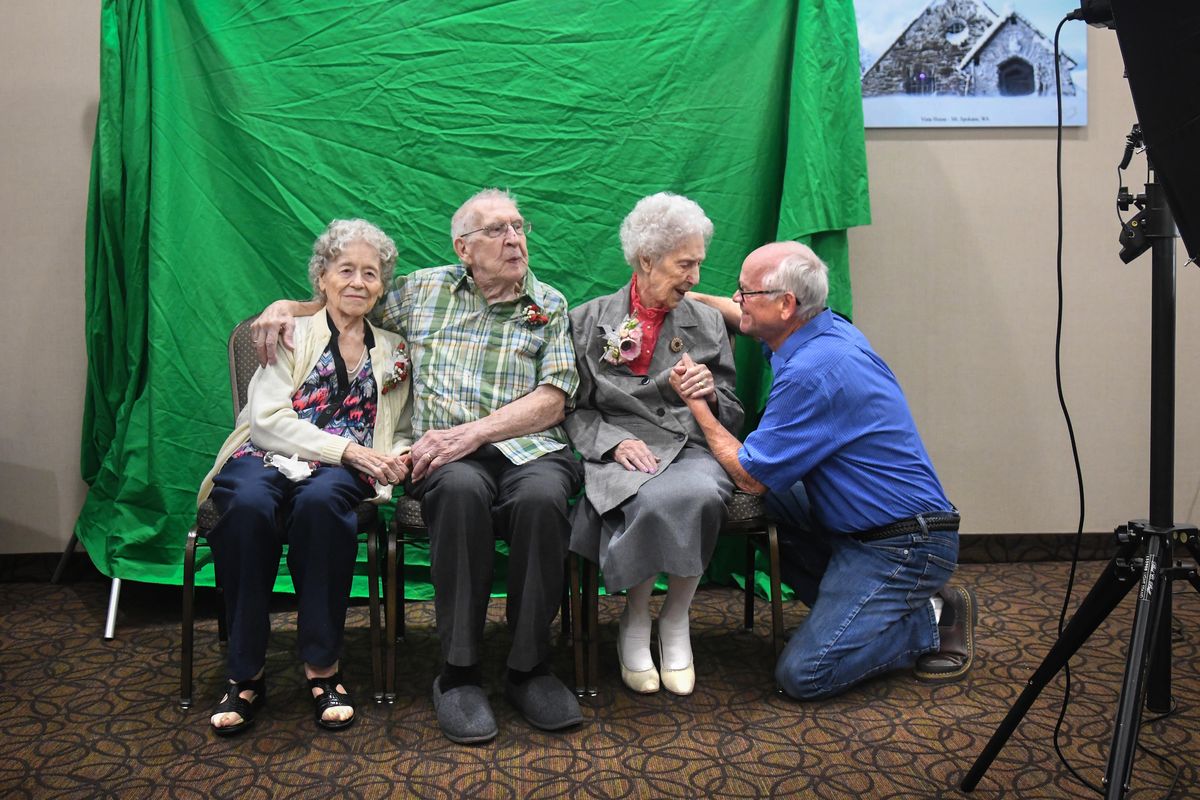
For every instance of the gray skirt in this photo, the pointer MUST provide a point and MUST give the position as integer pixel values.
(669, 526)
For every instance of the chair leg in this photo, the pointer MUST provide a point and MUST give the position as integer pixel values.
(576, 623)
(748, 621)
(114, 600)
(565, 606)
(377, 687)
(394, 570)
(186, 638)
(591, 596)
(776, 598)
(401, 630)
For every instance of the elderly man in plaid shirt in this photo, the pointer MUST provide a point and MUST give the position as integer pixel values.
(492, 366)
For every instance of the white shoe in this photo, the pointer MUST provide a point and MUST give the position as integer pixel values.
(676, 681)
(642, 681)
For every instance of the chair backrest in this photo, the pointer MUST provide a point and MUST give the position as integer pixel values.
(242, 362)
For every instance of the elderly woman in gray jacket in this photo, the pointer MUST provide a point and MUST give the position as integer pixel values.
(655, 494)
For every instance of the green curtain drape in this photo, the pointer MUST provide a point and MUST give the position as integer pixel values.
(230, 132)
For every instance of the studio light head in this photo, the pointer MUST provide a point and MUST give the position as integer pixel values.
(1160, 44)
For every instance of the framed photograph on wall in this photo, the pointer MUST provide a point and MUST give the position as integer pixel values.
(969, 63)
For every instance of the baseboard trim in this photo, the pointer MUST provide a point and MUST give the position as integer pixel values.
(992, 548)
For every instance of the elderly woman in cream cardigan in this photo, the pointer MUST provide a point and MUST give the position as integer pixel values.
(325, 427)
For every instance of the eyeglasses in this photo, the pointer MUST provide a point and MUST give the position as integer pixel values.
(497, 229)
(743, 294)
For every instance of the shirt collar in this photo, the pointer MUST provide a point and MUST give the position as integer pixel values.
(803, 335)
(531, 287)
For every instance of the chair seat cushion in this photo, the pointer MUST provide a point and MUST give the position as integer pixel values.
(745, 507)
(207, 515)
(408, 513)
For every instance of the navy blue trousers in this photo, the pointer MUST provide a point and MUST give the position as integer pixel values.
(260, 511)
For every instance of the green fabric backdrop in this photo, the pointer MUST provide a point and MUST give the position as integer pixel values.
(231, 132)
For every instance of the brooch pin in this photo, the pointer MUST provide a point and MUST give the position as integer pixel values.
(676, 344)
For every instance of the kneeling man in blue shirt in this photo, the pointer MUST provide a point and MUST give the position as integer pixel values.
(868, 537)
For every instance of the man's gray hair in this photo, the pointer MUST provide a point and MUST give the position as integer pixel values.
(659, 223)
(337, 237)
(804, 275)
(467, 218)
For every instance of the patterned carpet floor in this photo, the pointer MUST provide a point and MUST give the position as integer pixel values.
(85, 718)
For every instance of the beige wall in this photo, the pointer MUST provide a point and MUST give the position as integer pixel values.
(49, 85)
(954, 283)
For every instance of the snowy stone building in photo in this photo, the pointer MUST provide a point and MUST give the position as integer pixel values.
(963, 48)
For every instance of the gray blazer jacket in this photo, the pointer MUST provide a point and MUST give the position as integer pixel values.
(613, 404)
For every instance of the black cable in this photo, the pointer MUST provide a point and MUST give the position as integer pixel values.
(1159, 756)
(1075, 456)
(1062, 404)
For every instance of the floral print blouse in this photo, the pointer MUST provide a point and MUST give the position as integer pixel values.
(320, 400)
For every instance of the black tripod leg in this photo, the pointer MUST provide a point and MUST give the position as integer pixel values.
(1106, 594)
(1158, 691)
(1129, 711)
(1193, 546)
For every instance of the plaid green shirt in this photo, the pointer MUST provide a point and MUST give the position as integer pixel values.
(470, 358)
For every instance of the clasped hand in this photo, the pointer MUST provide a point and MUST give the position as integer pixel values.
(383, 467)
(692, 381)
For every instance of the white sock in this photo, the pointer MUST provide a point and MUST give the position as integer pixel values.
(634, 631)
(673, 626)
(937, 602)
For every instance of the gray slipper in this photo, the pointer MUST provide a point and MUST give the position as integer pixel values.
(464, 714)
(544, 702)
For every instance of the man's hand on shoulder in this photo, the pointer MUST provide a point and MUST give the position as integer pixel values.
(730, 311)
(278, 322)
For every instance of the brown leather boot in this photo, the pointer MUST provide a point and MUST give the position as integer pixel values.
(956, 630)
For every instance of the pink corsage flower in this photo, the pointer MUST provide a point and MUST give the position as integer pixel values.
(532, 316)
(398, 373)
(624, 343)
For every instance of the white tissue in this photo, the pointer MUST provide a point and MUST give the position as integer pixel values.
(292, 468)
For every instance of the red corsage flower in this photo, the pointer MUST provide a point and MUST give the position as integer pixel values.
(399, 371)
(533, 317)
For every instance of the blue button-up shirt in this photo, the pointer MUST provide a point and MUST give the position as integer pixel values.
(837, 420)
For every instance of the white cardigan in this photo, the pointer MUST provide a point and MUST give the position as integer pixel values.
(269, 420)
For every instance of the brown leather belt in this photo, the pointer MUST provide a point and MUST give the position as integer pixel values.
(929, 521)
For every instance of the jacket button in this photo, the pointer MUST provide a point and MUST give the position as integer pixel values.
(679, 437)
(661, 411)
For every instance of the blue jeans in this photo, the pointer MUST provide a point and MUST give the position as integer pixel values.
(869, 601)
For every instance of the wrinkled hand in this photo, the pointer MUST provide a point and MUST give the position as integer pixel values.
(274, 323)
(633, 454)
(692, 381)
(382, 467)
(438, 448)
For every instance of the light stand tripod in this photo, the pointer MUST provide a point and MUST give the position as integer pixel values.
(1145, 553)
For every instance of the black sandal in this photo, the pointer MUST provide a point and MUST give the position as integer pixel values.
(331, 698)
(233, 702)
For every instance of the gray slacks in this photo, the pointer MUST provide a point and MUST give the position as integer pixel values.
(467, 504)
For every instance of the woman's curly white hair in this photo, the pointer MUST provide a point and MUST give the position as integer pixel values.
(341, 233)
(660, 223)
